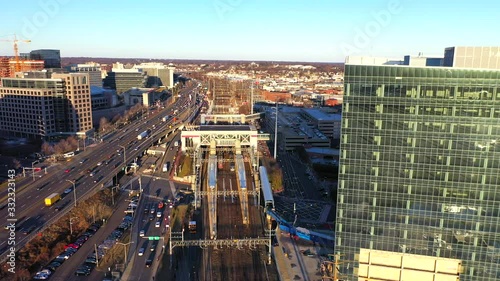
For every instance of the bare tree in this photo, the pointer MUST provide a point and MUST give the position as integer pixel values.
(16, 163)
(72, 142)
(47, 149)
(59, 148)
(244, 109)
(116, 118)
(103, 124)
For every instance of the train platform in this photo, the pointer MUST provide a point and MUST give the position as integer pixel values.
(291, 261)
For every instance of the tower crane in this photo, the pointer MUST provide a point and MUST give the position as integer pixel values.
(17, 66)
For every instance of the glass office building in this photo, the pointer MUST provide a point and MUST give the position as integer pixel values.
(420, 166)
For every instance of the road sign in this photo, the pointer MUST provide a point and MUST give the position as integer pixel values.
(153, 237)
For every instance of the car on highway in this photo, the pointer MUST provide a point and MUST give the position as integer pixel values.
(68, 190)
(83, 161)
(28, 230)
(148, 263)
(99, 163)
(58, 208)
(153, 247)
(141, 252)
(141, 233)
(67, 170)
(158, 214)
(157, 224)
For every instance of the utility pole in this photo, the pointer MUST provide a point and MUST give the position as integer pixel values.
(140, 184)
(33, 169)
(276, 132)
(71, 225)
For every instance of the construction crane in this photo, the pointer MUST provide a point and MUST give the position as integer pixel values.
(17, 66)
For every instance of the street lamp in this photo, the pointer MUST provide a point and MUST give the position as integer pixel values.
(71, 225)
(125, 249)
(124, 151)
(74, 190)
(33, 168)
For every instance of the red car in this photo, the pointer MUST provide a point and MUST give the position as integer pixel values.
(67, 170)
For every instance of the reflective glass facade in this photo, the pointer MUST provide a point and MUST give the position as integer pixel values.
(420, 165)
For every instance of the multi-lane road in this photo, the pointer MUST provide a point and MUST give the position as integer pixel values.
(112, 154)
(152, 221)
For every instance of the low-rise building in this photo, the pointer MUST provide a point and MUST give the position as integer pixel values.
(102, 98)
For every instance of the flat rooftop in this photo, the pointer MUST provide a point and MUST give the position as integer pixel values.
(225, 128)
(322, 116)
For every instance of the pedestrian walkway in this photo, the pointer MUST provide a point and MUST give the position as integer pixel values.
(297, 265)
(282, 264)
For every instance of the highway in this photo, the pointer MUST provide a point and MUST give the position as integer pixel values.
(155, 188)
(30, 208)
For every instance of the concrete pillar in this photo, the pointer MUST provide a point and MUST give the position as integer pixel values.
(237, 146)
(213, 146)
(202, 118)
(243, 118)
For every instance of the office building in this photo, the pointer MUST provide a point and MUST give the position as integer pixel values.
(52, 58)
(122, 80)
(46, 107)
(93, 69)
(157, 74)
(419, 181)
